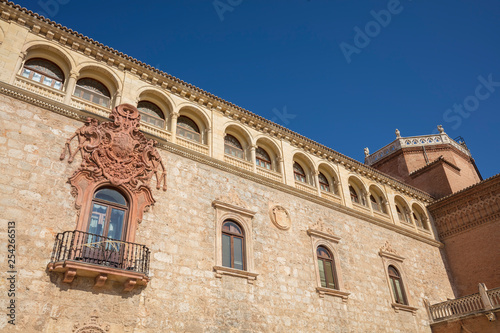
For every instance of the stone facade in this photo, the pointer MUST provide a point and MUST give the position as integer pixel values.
(190, 290)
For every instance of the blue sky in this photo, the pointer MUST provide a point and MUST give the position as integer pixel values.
(306, 65)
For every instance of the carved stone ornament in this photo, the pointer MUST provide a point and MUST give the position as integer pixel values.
(117, 151)
(280, 217)
(233, 198)
(92, 326)
(388, 249)
(320, 226)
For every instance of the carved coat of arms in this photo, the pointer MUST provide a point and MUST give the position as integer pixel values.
(117, 151)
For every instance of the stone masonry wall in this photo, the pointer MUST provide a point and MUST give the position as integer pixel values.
(184, 295)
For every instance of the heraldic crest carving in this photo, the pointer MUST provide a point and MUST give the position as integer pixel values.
(117, 151)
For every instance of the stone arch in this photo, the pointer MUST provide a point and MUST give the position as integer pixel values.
(50, 52)
(160, 99)
(307, 164)
(198, 116)
(402, 209)
(359, 188)
(102, 74)
(243, 136)
(419, 216)
(330, 174)
(377, 198)
(272, 149)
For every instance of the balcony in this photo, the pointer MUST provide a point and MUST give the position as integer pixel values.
(486, 302)
(78, 253)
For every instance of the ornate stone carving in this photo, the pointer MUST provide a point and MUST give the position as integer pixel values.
(92, 326)
(280, 217)
(367, 152)
(232, 198)
(117, 151)
(388, 249)
(320, 226)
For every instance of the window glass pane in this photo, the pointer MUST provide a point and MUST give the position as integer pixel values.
(57, 85)
(238, 253)
(47, 81)
(399, 291)
(26, 72)
(329, 274)
(322, 273)
(111, 196)
(393, 285)
(93, 86)
(97, 219)
(45, 67)
(226, 251)
(36, 77)
(116, 224)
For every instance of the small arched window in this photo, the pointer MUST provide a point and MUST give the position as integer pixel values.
(45, 72)
(326, 267)
(323, 182)
(354, 194)
(151, 113)
(298, 173)
(233, 147)
(109, 214)
(397, 286)
(93, 91)
(233, 246)
(419, 220)
(402, 213)
(262, 158)
(188, 129)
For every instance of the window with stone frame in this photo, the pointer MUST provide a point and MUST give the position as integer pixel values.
(45, 72)
(397, 285)
(233, 147)
(93, 91)
(233, 245)
(298, 173)
(324, 185)
(151, 113)
(326, 266)
(262, 158)
(328, 273)
(188, 129)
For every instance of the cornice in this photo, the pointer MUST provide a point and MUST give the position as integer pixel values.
(81, 115)
(51, 30)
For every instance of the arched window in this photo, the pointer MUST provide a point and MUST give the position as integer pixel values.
(377, 202)
(354, 194)
(151, 113)
(402, 213)
(45, 72)
(299, 173)
(233, 147)
(323, 183)
(233, 246)
(418, 220)
(109, 214)
(397, 286)
(93, 91)
(326, 267)
(262, 158)
(188, 129)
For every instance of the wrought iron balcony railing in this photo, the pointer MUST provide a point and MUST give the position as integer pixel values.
(82, 253)
(98, 250)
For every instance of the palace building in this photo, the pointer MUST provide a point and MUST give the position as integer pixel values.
(142, 203)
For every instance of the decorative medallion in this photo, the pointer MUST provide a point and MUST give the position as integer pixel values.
(280, 217)
(117, 151)
(93, 326)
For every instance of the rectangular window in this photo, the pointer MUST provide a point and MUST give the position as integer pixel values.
(226, 251)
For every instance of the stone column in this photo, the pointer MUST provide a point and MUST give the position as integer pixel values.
(253, 157)
(316, 180)
(70, 87)
(281, 170)
(173, 126)
(209, 140)
(19, 63)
